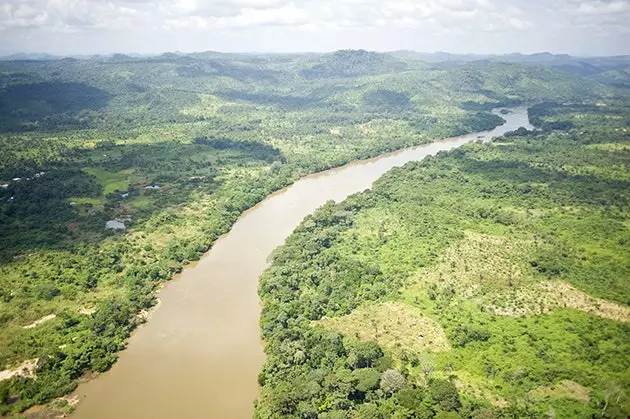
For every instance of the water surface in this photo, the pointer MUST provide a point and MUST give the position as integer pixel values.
(200, 353)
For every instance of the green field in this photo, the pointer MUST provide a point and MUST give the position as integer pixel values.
(111, 182)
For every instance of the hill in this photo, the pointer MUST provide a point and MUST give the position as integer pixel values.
(579, 66)
(351, 63)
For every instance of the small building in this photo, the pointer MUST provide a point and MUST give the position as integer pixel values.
(152, 187)
(115, 225)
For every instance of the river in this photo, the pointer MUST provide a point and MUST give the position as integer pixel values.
(199, 354)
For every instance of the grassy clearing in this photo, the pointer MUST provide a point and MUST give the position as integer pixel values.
(111, 181)
(565, 389)
(559, 294)
(208, 106)
(140, 202)
(494, 272)
(479, 388)
(40, 321)
(393, 325)
(613, 147)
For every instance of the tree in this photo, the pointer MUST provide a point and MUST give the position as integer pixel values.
(427, 364)
(367, 379)
(412, 399)
(445, 395)
(363, 354)
(392, 381)
(369, 411)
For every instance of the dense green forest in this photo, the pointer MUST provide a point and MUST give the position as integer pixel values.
(175, 147)
(486, 282)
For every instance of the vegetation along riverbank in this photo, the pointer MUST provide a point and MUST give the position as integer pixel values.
(486, 282)
(116, 172)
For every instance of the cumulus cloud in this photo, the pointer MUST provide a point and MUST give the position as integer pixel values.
(482, 25)
(238, 13)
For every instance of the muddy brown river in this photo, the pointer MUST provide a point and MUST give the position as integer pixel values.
(199, 354)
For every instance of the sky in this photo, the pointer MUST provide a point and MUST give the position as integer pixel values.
(577, 27)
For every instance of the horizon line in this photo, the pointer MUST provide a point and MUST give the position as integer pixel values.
(131, 54)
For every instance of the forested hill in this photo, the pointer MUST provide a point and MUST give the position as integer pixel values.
(110, 93)
(487, 282)
(118, 171)
(350, 63)
(581, 66)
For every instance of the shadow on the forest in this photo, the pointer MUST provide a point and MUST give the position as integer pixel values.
(562, 187)
(48, 105)
(282, 101)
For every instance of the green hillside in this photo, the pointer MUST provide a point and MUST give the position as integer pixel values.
(349, 63)
(487, 282)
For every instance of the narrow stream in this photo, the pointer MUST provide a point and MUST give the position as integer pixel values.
(200, 353)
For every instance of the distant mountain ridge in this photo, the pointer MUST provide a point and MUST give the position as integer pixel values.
(579, 66)
(33, 56)
(613, 70)
(428, 57)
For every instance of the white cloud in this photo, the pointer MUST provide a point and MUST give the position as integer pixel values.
(601, 7)
(487, 24)
(85, 13)
(519, 24)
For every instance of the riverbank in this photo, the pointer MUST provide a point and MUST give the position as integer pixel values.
(207, 325)
(101, 279)
(489, 281)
